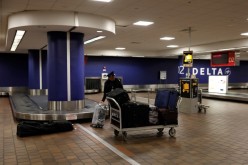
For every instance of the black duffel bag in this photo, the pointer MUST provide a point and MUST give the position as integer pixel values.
(31, 128)
(120, 95)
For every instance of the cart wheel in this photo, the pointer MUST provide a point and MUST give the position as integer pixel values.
(160, 133)
(172, 132)
(116, 132)
(160, 129)
(124, 135)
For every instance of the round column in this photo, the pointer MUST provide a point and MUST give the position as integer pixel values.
(65, 70)
(37, 72)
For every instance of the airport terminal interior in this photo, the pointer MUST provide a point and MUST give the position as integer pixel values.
(217, 136)
(182, 65)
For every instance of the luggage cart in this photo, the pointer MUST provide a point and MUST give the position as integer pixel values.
(200, 105)
(116, 122)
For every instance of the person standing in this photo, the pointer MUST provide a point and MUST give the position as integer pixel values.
(110, 84)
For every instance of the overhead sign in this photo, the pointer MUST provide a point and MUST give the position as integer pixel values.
(226, 58)
(188, 58)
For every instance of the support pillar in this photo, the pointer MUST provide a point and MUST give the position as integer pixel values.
(37, 83)
(65, 70)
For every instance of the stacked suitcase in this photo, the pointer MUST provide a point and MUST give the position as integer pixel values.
(133, 114)
(166, 103)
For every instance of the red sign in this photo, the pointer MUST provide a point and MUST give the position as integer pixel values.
(223, 59)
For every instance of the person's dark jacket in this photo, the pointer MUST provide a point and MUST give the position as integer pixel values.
(110, 85)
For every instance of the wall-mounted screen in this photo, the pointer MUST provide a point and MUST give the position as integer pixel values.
(223, 59)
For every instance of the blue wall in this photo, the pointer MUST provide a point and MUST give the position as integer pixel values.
(14, 69)
(237, 74)
(133, 70)
(146, 70)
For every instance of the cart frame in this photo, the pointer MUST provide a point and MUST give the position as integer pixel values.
(115, 115)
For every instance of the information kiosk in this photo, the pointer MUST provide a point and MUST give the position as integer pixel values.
(188, 92)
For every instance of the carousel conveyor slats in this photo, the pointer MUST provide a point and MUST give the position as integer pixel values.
(35, 108)
(234, 95)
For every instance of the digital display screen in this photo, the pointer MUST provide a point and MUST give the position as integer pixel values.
(223, 59)
(220, 58)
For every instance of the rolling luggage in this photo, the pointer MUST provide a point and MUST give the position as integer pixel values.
(135, 114)
(167, 116)
(99, 115)
(120, 95)
(161, 99)
(166, 103)
(167, 99)
(173, 99)
(31, 128)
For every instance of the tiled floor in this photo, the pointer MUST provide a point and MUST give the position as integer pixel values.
(216, 137)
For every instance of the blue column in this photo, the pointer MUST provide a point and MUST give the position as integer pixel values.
(36, 72)
(65, 70)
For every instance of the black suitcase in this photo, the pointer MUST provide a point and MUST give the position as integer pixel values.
(167, 116)
(135, 114)
(120, 95)
(31, 128)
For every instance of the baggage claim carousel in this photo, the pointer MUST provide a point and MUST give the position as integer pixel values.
(26, 107)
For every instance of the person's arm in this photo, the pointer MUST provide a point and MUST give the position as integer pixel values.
(105, 91)
(119, 84)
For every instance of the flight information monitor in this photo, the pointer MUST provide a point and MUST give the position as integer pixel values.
(223, 59)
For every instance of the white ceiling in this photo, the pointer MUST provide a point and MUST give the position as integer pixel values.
(216, 24)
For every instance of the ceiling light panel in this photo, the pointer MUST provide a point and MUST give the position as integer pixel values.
(120, 48)
(167, 38)
(244, 34)
(18, 37)
(143, 23)
(172, 46)
(102, 0)
(94, 39)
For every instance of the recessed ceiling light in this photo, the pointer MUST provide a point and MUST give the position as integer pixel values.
(244, 34)
(120, 48)
(18, 37)
(138, 56)
(102, 0)
(167, 38)
(172, 46)
(143, 23)
(94, 39)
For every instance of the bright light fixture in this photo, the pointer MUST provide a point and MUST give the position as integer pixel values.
(143, 23)
(138, 56)
(99, 31)
(172, 46)
(103, 0)
(244, 34)
(18, 37)
(167, 38)
(120, 48)
(94, 39)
